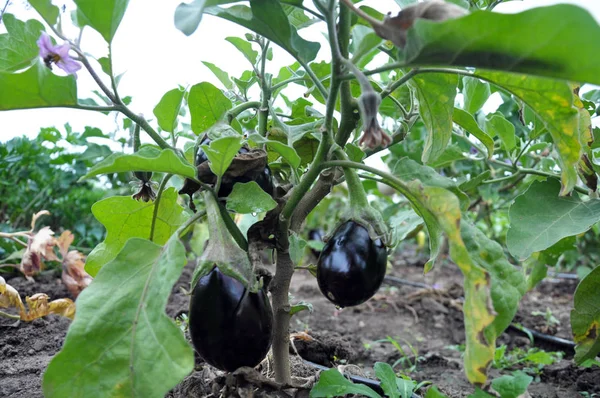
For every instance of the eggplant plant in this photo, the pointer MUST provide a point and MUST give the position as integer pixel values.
(417, 85)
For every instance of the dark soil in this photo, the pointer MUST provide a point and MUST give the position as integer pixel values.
(426, 323)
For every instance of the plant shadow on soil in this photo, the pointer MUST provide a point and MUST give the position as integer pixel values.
(423, 321)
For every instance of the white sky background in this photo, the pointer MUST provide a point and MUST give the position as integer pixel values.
(157, 57)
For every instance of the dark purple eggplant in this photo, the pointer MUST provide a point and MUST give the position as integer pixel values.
(230, 327)
(351, 266)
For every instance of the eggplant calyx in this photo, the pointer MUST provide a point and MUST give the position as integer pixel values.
(222, 251)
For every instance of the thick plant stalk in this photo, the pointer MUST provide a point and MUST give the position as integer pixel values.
(281, 315)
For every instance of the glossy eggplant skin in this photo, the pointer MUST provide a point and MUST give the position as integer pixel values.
(229, 326)
(351, 266)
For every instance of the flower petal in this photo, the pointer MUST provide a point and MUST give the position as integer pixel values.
(63, 50)
(45, 45)
(69, 65)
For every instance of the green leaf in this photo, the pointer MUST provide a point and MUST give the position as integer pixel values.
(479, 393)
(468, 123)
(475, 181)
(402, 223)
(121, 342)
(249, 198)
(46, 9)
(354, 152)
(245, 48)
(555, 41)
(148, 158)
(301, 306)
(386, 374)
(220, 74)
(433, 392)
(504, 129)
(512, 386)
(124, 218)
(104, 16)
(553, 102)
(405, 387)
(168, 108)
(287, 152)
(207, 106)
(221, 152)
(188, 16)
(37, 87)
(476, 93)
(364, 40)
(18, 47)
(539, 218)
(333, 384)
(297, 245)
(508, 284)
(407, 170)
(436, 93)
(585, 317)
(268, 19)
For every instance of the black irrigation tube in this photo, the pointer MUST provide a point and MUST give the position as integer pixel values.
(392, 280)
(374, 384)
(557, 341)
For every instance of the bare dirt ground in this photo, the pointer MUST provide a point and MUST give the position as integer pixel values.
(427, 324)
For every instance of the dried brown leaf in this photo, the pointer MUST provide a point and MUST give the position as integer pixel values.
(74, 276)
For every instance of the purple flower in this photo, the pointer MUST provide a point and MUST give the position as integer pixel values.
(57, 54)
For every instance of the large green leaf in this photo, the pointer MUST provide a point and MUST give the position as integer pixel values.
(125, 218)
(18, 48)
(498, 125)
(508, 282)
(553, 101)
(557, 41)
(468, 123)
(386, 374)
(148, 158)
(188, 16)
(37, 87)
(539, 218)
(475, 92)
(104, 16)
(436, 92)
(207, 106)
(46, 9)
(221, 152)
(267, 18)
(287, 152)
(407, 170)
(247, 198)
(364, 40)
(245, 48)
(167, 110)
(332, 384)
(585, 317)
(121, 343)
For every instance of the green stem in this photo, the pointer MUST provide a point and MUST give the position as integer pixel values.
(183, 229)
(313, 77)
(113, 81)
(287, 81)
(9, 316)
(145, 125)
(400, 65)
(265, 92)
(406, 77)
(91, 108)
(502, 179)
(161, 189)
(236, 110)
(356, 191)
(238, 236)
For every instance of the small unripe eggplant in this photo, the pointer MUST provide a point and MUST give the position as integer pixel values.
(230, 326)
(351, 266)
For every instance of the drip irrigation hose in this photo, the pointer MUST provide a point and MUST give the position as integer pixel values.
(558, 341)
(392, 280)
(374, 384)
(562, 275)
